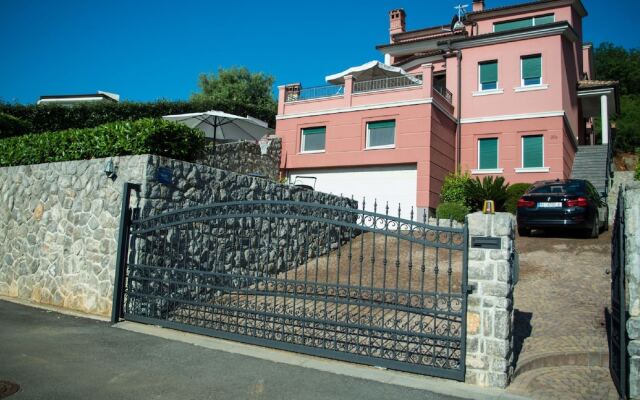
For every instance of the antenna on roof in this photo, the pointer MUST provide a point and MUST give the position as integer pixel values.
(462, 12)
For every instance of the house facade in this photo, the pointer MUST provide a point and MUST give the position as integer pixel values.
(506, 91)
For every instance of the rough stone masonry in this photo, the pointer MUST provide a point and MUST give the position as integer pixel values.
(490, 342)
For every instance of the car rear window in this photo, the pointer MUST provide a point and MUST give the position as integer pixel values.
(560, 188)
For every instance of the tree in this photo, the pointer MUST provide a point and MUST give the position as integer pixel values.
(617, 63)
(237, 85)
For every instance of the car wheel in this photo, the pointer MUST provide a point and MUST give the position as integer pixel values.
(595, 229)
(524, 231)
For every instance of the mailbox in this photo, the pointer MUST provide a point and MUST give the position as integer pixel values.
(486, 242)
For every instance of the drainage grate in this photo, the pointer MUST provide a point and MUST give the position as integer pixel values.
(8, 388)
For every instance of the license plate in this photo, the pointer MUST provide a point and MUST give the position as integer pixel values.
(550, 205)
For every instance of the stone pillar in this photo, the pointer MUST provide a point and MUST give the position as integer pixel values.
(632, 274)
(348, 90)
(489, 359)
(604, 115)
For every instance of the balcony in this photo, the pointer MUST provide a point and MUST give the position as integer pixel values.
(404, 89)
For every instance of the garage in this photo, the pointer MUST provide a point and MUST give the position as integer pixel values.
(394, 184)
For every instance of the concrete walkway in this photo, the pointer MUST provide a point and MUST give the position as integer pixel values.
(55, 356)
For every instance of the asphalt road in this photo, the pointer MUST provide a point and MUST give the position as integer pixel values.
(54, 356)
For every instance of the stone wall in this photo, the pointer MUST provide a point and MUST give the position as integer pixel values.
(58, 231)
(490, 306)
(59, 222)
(246, 157)
(632, 273)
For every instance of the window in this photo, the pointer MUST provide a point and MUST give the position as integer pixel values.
(313, 139)
(381, 134)
(531, 70)
(488, 154)
(488, 72)
(523, 23)
(532, 151)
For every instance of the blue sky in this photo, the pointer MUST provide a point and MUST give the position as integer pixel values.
(146, 50)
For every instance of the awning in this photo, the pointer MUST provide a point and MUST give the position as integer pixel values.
(369, 71)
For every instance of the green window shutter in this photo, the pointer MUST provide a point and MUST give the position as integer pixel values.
(382, 124)
(313, 138)
(510, 25)
(532, 149)
(532, 67)
(546, 19)
(489, 72)
(488, 153)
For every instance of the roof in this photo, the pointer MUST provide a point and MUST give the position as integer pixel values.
(100, 94)
(538, 3)
(593, 84)
(419, 39)
(419, 55)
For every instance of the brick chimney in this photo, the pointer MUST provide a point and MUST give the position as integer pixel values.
(478, 5)
(396, 22)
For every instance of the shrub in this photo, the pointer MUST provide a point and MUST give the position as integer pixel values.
(55, 117)
(489, 188)
(454, 211)
(514, 192)
(145, 136)
(12, 126)
(455, 188)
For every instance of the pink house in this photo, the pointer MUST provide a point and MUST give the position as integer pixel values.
(505, 91)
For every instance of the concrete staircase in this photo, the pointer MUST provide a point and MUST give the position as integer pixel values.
(591, 164)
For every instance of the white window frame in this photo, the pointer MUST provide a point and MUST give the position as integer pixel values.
(486, 171)
(302, 141)
(385, 146)
(522, 169)
(535, 85)
(489, 91)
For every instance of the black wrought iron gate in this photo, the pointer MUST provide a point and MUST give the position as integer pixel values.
(618, 356)
(332, 281)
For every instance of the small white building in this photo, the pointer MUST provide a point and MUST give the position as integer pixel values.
(67, 99)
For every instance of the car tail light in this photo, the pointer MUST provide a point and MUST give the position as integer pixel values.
(522, 203)
(579, 202)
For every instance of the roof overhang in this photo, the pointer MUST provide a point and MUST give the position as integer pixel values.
(558, 28)
(591, 98)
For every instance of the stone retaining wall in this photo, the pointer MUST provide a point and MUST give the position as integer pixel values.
(632, 273)
(59, 222)
(247, 157)
(490, 306)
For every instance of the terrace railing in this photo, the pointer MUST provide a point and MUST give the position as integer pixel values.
(298, 93)
(395, 82)
(444, 92)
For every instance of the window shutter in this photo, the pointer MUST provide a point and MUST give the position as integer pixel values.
(489, 72)
(507, 26)
(547, 19)
(313, 131)
(532, 67)
(532, 148)
(382, 124)
(488, 153)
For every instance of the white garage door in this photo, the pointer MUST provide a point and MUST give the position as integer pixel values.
(394, 184)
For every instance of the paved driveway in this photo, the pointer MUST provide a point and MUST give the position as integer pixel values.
(560, 305)
(54, 356)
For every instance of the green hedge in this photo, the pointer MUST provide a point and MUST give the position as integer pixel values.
(12, 126)
(144, 136)
(455, 188)
(454, 211)
(514, 192)
(54, 117)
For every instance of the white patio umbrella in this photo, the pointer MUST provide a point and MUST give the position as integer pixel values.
(220, 125)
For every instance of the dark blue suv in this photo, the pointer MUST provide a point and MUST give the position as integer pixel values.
(569, 203)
